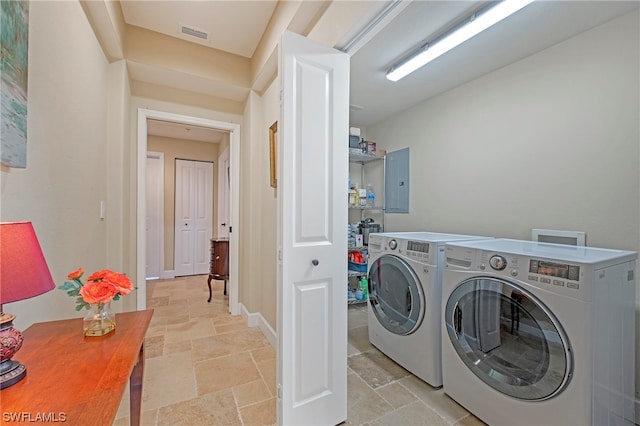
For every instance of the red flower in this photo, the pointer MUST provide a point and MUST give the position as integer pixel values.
(75, 275)
(120, 281)
(98, 292)
(101, 287)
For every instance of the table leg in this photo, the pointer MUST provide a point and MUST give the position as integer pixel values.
(209, 284)
(135, 389)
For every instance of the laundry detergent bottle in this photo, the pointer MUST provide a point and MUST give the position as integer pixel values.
(364, 286)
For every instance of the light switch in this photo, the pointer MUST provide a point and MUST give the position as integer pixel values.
(102, 210)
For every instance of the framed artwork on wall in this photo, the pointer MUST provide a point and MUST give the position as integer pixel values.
(14, 43)
(273, 153)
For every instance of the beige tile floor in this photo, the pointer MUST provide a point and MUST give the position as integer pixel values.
(206, 367)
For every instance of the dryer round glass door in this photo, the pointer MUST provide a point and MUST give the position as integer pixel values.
(508, 338)
(395, 295)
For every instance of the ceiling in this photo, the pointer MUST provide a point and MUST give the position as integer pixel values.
(237, 27)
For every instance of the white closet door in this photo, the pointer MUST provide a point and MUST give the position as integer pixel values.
(155, 216)
(193, 216)
(312, 284)
(224, 172)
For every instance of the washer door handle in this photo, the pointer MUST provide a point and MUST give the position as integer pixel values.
(456, 321)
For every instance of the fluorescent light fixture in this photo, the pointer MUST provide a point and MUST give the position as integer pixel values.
(471, 26)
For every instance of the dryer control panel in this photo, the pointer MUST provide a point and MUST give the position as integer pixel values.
(412, 249)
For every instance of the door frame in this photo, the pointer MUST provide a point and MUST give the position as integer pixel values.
(234, 156)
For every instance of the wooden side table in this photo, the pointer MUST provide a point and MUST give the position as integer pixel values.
(219, 265)
(78, 380)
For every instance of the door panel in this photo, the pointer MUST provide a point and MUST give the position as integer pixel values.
(224, 180)
(184, 239)
(312, 273)
(193, 216)
(203, 217)
(154, 214)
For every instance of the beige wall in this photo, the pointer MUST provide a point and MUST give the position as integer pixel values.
(184, 150)
(551, 141)
(548, 142)
(268, 196)
(258, 244)
(74, 143)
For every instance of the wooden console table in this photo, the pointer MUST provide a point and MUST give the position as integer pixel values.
(219, 265)
(77, 380)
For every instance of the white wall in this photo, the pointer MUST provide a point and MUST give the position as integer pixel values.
(67, 156)
(551, 141)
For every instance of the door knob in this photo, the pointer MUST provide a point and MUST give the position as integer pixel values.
(315, 262)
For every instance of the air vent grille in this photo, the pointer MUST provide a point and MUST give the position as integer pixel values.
(184, 29)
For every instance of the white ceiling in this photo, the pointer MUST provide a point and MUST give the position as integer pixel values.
(237, 26)
(233, 26)
(536, 27)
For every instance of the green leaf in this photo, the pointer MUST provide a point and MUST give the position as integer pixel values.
(66, 286)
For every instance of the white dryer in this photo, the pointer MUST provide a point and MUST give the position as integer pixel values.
(539, 334)
(405, 295)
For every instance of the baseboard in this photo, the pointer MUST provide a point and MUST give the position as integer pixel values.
(255, 319)
(167, 275)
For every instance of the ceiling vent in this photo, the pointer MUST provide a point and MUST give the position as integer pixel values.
(184, 29)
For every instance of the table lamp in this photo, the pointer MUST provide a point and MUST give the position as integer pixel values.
(23, 274)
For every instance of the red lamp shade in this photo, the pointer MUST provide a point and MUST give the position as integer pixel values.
(23, 274)
(23, 269)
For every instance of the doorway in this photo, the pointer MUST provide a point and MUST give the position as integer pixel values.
(234, 197)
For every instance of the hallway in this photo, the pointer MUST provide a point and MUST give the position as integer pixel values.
(206, 367)
(203, 366)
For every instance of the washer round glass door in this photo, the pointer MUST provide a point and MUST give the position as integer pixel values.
(508, 338)
(395, 295)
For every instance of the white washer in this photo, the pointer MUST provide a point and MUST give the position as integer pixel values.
(405, 295)
(537, 333)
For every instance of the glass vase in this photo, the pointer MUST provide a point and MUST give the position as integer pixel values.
(99, 320)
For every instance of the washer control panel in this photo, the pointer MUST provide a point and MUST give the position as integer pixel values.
(498, 262)
(536, 271)
(570, 278)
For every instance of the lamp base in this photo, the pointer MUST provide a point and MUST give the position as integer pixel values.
(15, 373)
(11, 372)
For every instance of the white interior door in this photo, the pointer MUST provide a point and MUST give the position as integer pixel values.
(155, 214)
(193, 216)
(224, 176)
(312, 274)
